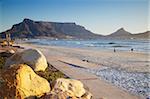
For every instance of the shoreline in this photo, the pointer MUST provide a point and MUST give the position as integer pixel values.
(110, 45)
(131, 61)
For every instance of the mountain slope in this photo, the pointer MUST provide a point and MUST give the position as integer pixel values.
(123, 34)
(142, 35)
(32, 29)
(120, 33)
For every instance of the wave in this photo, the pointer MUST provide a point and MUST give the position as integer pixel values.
(122, 45)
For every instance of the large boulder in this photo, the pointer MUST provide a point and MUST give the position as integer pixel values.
(20, 82)
(67, 89)
(71, 86)
(31, 57)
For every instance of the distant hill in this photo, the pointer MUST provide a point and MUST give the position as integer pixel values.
(32, 29)
(123, 34)
(120, 33)
(145, 35)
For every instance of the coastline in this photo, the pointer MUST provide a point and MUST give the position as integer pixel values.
(125, 60)
(130, 62)
(137, 46)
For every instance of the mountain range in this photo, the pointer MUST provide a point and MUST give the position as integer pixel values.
(39, 29)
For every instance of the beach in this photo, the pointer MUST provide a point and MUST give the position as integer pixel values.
(129, 61)
(114, 75)
(74, 49)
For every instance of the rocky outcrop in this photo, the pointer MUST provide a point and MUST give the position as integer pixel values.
(20, 82)
(31, 57)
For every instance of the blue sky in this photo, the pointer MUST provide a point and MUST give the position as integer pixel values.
(99, 16)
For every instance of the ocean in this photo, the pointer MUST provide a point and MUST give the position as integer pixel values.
(102, 44)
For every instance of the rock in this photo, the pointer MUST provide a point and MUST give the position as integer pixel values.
(6, 54)
(87, 95)
(20, 82)
(10, 51)
(65, 95)
(74, 88)
(67, 89)
(31, 57)
(58, 95)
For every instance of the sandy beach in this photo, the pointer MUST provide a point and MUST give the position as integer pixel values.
(120, 75)
(74, 49)
(128, 61)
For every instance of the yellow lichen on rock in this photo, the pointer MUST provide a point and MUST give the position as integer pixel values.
(21, 81)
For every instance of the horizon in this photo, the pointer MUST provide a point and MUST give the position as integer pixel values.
(104, 16)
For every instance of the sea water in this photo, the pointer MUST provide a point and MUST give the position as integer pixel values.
(101, 44)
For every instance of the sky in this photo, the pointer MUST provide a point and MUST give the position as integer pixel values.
(99, 16)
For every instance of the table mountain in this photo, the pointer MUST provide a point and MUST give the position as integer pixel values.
(39, 29)
(32, 29)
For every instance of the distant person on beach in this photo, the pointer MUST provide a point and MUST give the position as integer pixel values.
(131, 49)
(114, 50)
